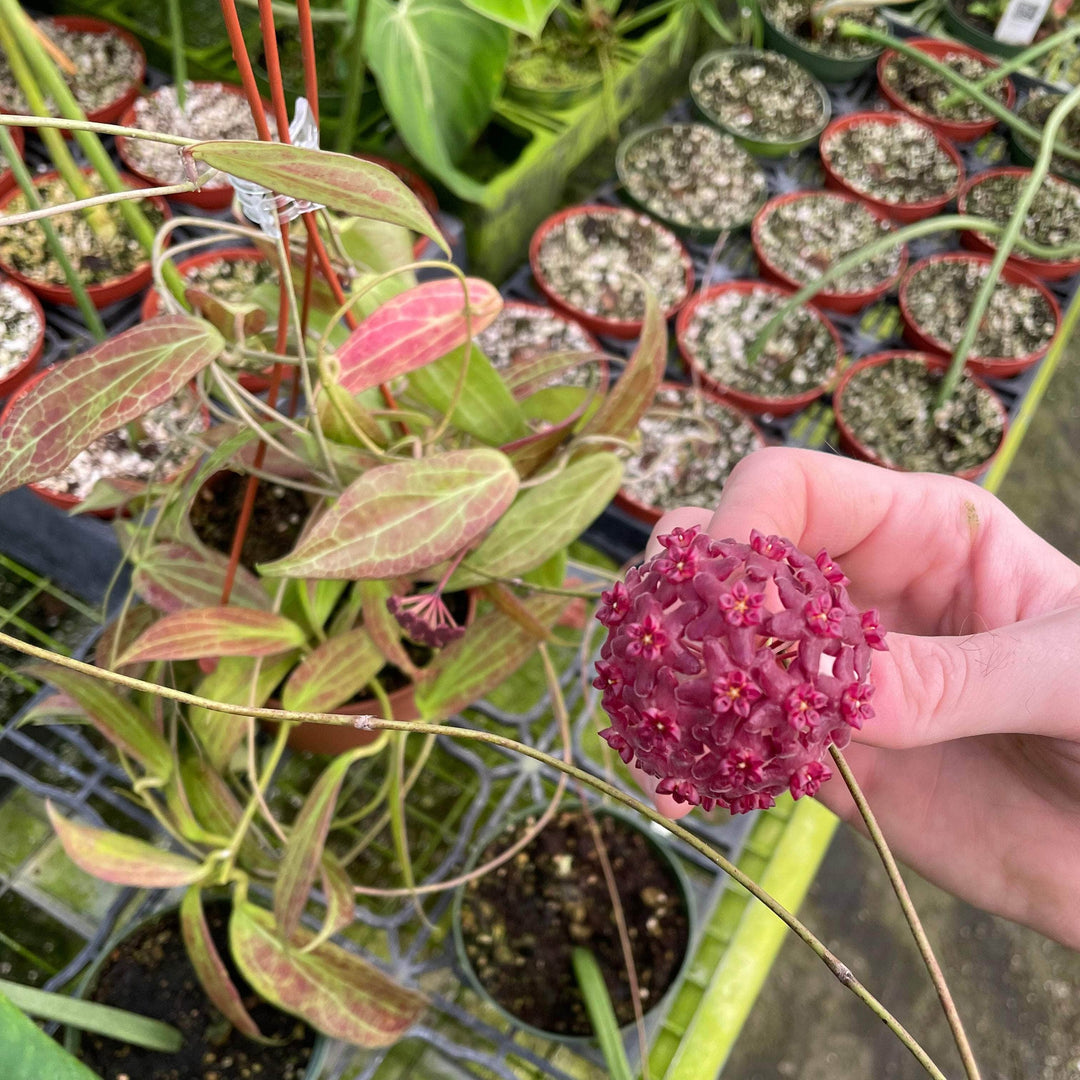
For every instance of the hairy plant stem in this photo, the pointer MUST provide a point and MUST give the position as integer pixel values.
(971, 1069)
(1006, 242)
(366, 723)
(26, 185)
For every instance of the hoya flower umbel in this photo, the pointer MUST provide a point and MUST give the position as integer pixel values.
(730, 668)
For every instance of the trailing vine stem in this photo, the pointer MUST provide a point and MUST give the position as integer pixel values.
(967, 1056)
(373, 723)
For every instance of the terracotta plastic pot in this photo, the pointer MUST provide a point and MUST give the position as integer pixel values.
(622, 329)
(990, 367)
(844, 303)
(7, 177)
(324, 739)
(850, 442)
(904, 212)
(962, 131)
(1046, 269)
(752, 403)
(829, 69)
(217, 197)
(649, 515)
(104, 294)
(11, 382)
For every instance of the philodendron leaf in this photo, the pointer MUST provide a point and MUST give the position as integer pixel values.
(172, 576)
(413, 329)
(121, 859)
(439, 68)
(100, 390)
(332, 673)
(307, 839)
(209, 967)
(215, 631)
(29, 1054)
(335, 991)
(342, 182)
(128, 728)
(543, 520)
(494, 648)
(525, 16)
(633, 393)
(397, 519)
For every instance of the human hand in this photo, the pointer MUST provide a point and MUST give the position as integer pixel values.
(972, 762)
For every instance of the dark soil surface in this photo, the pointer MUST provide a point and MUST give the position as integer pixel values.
(793, 17)
(150, 974)
(523, 920)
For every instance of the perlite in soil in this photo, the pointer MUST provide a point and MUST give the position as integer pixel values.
(522, 332)
(22, 327)
(1053, 219)
(926, 91)
(1035, 111)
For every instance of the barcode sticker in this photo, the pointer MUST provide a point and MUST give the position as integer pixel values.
(1021, 21)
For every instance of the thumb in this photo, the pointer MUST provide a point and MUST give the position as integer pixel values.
(1020, 678)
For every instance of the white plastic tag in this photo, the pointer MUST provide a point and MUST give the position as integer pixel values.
(1021, 21)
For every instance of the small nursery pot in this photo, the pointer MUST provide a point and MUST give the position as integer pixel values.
(854, 444)
(965, 29)
(902, 212)
(324, 739)
(744, 399)
(755, 141)
(987, 366)
(665, 858)
(7, 176)
(596, 323)
(1022, 150)
(418, 186)
(17, 375)
(829, 69)
(673, 397)
(217, 195)
(1046, 269)
(961, 131)
(102, 294)
(846, 303)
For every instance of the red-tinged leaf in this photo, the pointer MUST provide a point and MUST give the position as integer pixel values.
(128, 728)
(53, 708)
(335, 991)
(173, 576)
(495, 647)
(307, 839)
(121, 632)
(340, 181)
(236, 680)
(543, 520)
(123, 860)
(215, 631)
(209, 967)
(413, 329)
(333, 673)
(401, 518)
(384, 629)
(548, 369)
(337, 887)
(100, 390)
(633, 393)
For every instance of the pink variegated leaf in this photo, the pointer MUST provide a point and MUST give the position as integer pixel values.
(335, 991)
(123, 860)
(333, 673)
(384, 629)
(121, 632)
(172, 576)
(98, 391)
(340, 905)
(401, 518)
(413, 329)
(215, 631)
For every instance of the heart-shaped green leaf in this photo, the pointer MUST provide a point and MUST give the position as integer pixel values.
(527, 17)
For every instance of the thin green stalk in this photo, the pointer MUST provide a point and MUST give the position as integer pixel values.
(354, 84)
(1006, 242)
(97, 200)
(605, 1026)
(374, 723)
(179, 57)
(26, 184)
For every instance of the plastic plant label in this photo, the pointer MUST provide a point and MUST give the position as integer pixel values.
(1021, 21)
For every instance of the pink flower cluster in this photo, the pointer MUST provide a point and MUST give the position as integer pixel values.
(425, 618)
(729, 668)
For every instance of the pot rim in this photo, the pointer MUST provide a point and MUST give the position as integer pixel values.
(23, 371)
(151, 304)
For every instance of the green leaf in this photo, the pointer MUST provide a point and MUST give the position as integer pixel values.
(401, 518)
(307, 840)
(333, 673)
(343, 182)
(127, 727)
(335, 991)
(215, 631)
(29, 1054)
(99, 391)
(172, 576)
(439, 68)
(340, 904)
(494, 648)
(486, 409)
(543, 520)
(525, 16)
(384, 629)
(121, 859)
(209, 967)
